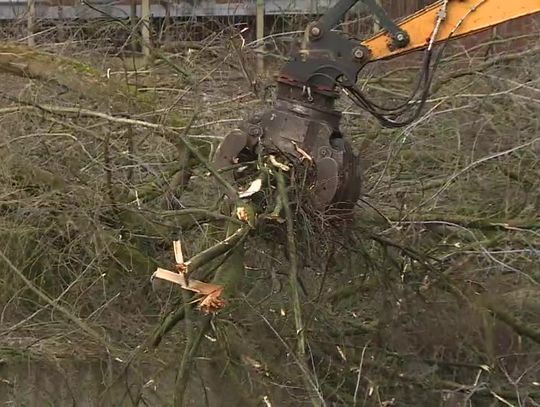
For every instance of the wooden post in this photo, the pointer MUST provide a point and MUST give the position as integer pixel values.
(60, 34)
(145, 28)
(30, 22)
(133, 18)
(376, 25)
(260, 33)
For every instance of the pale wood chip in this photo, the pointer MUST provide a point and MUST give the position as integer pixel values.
(302, 152)
(211, 300)
(253, 188)
(178, 255)
(277, 164)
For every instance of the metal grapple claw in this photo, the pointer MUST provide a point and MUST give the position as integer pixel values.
(305, 134)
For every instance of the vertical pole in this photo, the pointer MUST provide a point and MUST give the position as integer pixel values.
(133, 18)
(376, 25)
(260, 34)
(60, 36)
(30, 22)
(145, 28)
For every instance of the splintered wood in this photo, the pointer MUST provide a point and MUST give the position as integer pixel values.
(210, 301)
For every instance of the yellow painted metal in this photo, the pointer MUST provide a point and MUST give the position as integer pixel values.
(463, 17)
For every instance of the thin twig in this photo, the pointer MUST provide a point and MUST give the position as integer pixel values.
(293, 283)
(81, 324)
(475, 164)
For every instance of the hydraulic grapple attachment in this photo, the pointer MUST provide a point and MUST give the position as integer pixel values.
(303, 125)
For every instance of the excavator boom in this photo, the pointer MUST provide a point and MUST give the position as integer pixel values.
(462, 18)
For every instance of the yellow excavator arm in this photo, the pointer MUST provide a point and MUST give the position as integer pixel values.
(460, 18)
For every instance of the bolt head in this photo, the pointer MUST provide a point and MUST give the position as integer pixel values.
(255, 131)
(400, 37)
(315, 31)
(324, 152)
(358, 53)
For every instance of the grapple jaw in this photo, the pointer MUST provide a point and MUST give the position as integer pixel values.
(306, 133)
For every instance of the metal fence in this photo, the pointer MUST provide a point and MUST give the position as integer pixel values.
(69, 9)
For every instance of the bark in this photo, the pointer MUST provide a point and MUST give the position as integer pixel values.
(82, 79)
(518, 326)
